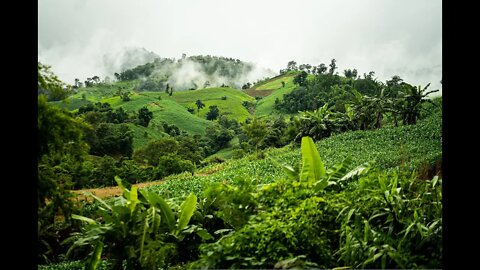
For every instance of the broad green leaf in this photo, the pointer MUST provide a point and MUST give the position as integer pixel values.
(187, 209)
(204, 235)
(133, 198)
(434, 181)
(96, 256)
(98, 199)
(289, 170)
(82, 218)
(165, 210)
(312, 168)
(144, 234)
(120, 184)
(359, 170)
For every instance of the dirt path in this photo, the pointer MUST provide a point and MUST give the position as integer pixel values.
(108, 192)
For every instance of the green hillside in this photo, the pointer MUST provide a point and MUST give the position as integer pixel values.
(265, 105)
(231, 106)
(165, 108)
(390, 147)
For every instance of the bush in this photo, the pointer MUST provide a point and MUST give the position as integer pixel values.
(171, 164)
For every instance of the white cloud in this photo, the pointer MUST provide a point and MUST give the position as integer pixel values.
(387, 36)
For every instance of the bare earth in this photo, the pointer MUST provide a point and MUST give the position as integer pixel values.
(108, 192)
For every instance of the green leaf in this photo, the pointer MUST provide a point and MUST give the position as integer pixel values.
(434, 181)
(120, 184)
(187, 209)
(98, 199)
(133, 198)
(313, 168)
(82, 218)
(204, 235)
(289, 170)
(165, 210)
(96, 256)
(359, 170)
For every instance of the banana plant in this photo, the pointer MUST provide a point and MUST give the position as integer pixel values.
(314, 174)
(132, 227)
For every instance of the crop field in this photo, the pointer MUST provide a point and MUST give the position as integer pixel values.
(407, 146)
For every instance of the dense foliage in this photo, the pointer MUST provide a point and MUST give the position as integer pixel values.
(370, 199)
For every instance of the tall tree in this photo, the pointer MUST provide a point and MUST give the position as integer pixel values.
(292, 65)
(200, 105)
(411, 101)
(301, 79)
(144, 116)
(213, 113)
(333, 66)
(50, 85)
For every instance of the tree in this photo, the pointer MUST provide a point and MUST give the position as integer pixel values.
(411, 101)
(61, 146)
(96, 79)
(191, 110)
(144, 116)
(213, 113)
(283, 84)
(301, 79)
(111, 139)
(321, 68)
(218, 137)
(50, 85)
(316, 124)
(125, 97)
(351, 74)
(256, 132)
(333, 66)
(292, 65)
(200, 105)
(151, 153)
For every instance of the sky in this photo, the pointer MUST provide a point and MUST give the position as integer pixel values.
(389, 37)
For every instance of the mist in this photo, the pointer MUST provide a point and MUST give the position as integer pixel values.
(389, 37)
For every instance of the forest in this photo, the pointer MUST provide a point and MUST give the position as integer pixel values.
(310, 168)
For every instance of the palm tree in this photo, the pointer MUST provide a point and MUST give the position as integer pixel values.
(200, 105)
(411, 100)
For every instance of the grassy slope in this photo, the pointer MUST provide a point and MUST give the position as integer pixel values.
(407, 146)
(171, 109)
(265, 105)
(232, 106)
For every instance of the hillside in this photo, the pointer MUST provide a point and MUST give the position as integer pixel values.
(231, 106)
(165, 108)
(412, 147)
(275, 91)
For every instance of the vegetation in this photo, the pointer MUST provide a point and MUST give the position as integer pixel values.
(243, 183)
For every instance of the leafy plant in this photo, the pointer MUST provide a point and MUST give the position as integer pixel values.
(140, 229)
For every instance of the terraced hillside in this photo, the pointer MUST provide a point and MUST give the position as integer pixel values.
(165, 108)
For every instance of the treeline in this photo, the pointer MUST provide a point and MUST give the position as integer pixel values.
(206, 71)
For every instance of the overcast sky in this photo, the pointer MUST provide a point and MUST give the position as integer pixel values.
(389, 37)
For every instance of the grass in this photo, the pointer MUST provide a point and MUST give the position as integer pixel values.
(140, 139)
(232, 106)
(265, 105)
(275, 83)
